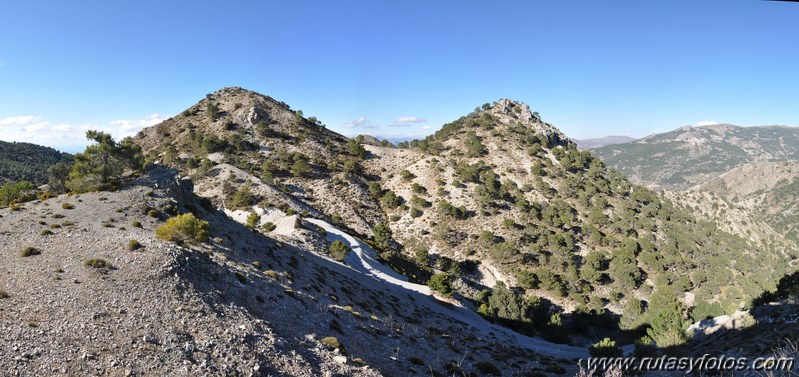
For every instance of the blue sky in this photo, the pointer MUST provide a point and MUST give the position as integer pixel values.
(591, 68)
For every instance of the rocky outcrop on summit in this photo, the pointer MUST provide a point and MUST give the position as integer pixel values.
(236, 140)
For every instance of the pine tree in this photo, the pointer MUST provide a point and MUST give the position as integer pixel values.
(103, 163)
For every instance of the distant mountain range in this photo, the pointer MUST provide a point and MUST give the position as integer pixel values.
(602, 141)
(689, 156)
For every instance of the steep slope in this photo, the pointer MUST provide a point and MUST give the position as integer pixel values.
(275, 154)
(529, 228)
(691, 155)
(241, 304)
(509, 198)
(732, 216)
(28, 162)
(769, 189)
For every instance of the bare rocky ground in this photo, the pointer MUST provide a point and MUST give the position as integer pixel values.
(244, 304)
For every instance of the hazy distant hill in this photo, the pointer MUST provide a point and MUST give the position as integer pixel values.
(690, 155)
(602, 141)
(29, 162)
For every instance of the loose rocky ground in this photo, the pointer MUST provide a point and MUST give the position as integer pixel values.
(244, 304)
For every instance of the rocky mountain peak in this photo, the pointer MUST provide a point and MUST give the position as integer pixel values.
(511, 112)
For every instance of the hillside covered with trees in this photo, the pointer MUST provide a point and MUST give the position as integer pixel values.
(28, 162)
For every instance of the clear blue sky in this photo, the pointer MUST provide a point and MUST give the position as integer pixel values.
(592, 68)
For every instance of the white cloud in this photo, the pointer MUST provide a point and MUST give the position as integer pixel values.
(356, 123)
(360, 122)
(410, 119)
(36, 126)
(65, 136)
(131, 127)
(707, 123)
(425, 127)
(18, 120)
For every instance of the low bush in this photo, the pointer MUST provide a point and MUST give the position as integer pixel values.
(67, 206)
(605, 348)
(333, 343)
(97, 263)
(184, 228)
(339, 250)
(134, 245)
(30, 251)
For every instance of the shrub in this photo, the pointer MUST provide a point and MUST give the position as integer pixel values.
(152, 213)
(272, 274)
(4, 294)
(184, 228)
(30, 251)
(382, 235)
(67, 206)
(268, 226)
(333, 343)
(45, 232)
(134, 245)
(256, 264)
(339, 250)
(97, 263)
(390, 200)
(243, 198)
(136, 224)
(415, 212)
(407, 175)
(605, 348)
(441, 283)
(450, 210)
(252, 220)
